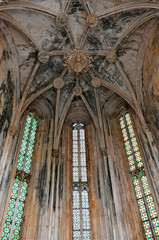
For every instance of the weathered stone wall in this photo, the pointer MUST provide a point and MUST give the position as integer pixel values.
(6, 91)
(151, 84)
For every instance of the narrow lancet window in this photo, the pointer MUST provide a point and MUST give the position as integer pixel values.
(14, 216)
(80, 196)
(142, 190)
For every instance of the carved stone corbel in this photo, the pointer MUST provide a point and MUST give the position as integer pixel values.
(12, 131)
(55, 153)
(4, 2)
(104, 152)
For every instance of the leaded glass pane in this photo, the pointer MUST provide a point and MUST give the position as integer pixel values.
(76, 199)
(151, 207)
(122, 123)
(144, 199)
(131, 163)
(76, 219)
(82, 146)
(75, 160)
(75, 146)
(77, 235)
(85, 202)
(81, 218)
(128, 148)
(6, 231)
(137, 189)
(125, 135)
(83, 159)
(24, 143)
(147, 229)
(75, 174)
(26, 150)
(138, 159)
(145, 185)
(20, 209)
(75, 135)
(128, 120)
(86, 235)
(131, 131)
(82, 134)
(11, 209)
(156, 226)
(85, 219)
(134, 144)
(30, 147)
(83, 174)
(142, 209)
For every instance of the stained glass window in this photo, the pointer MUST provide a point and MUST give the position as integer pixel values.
(144, 198)
(80, 196)
(20, 184)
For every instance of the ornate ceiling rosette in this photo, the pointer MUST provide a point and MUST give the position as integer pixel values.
(78, 61)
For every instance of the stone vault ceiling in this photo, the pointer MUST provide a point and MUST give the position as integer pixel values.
(74, 50)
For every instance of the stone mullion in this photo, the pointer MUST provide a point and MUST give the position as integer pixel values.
(79, 155)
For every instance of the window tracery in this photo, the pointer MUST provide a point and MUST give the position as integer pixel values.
(20, 184)
(142, 190)
(80, 196)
